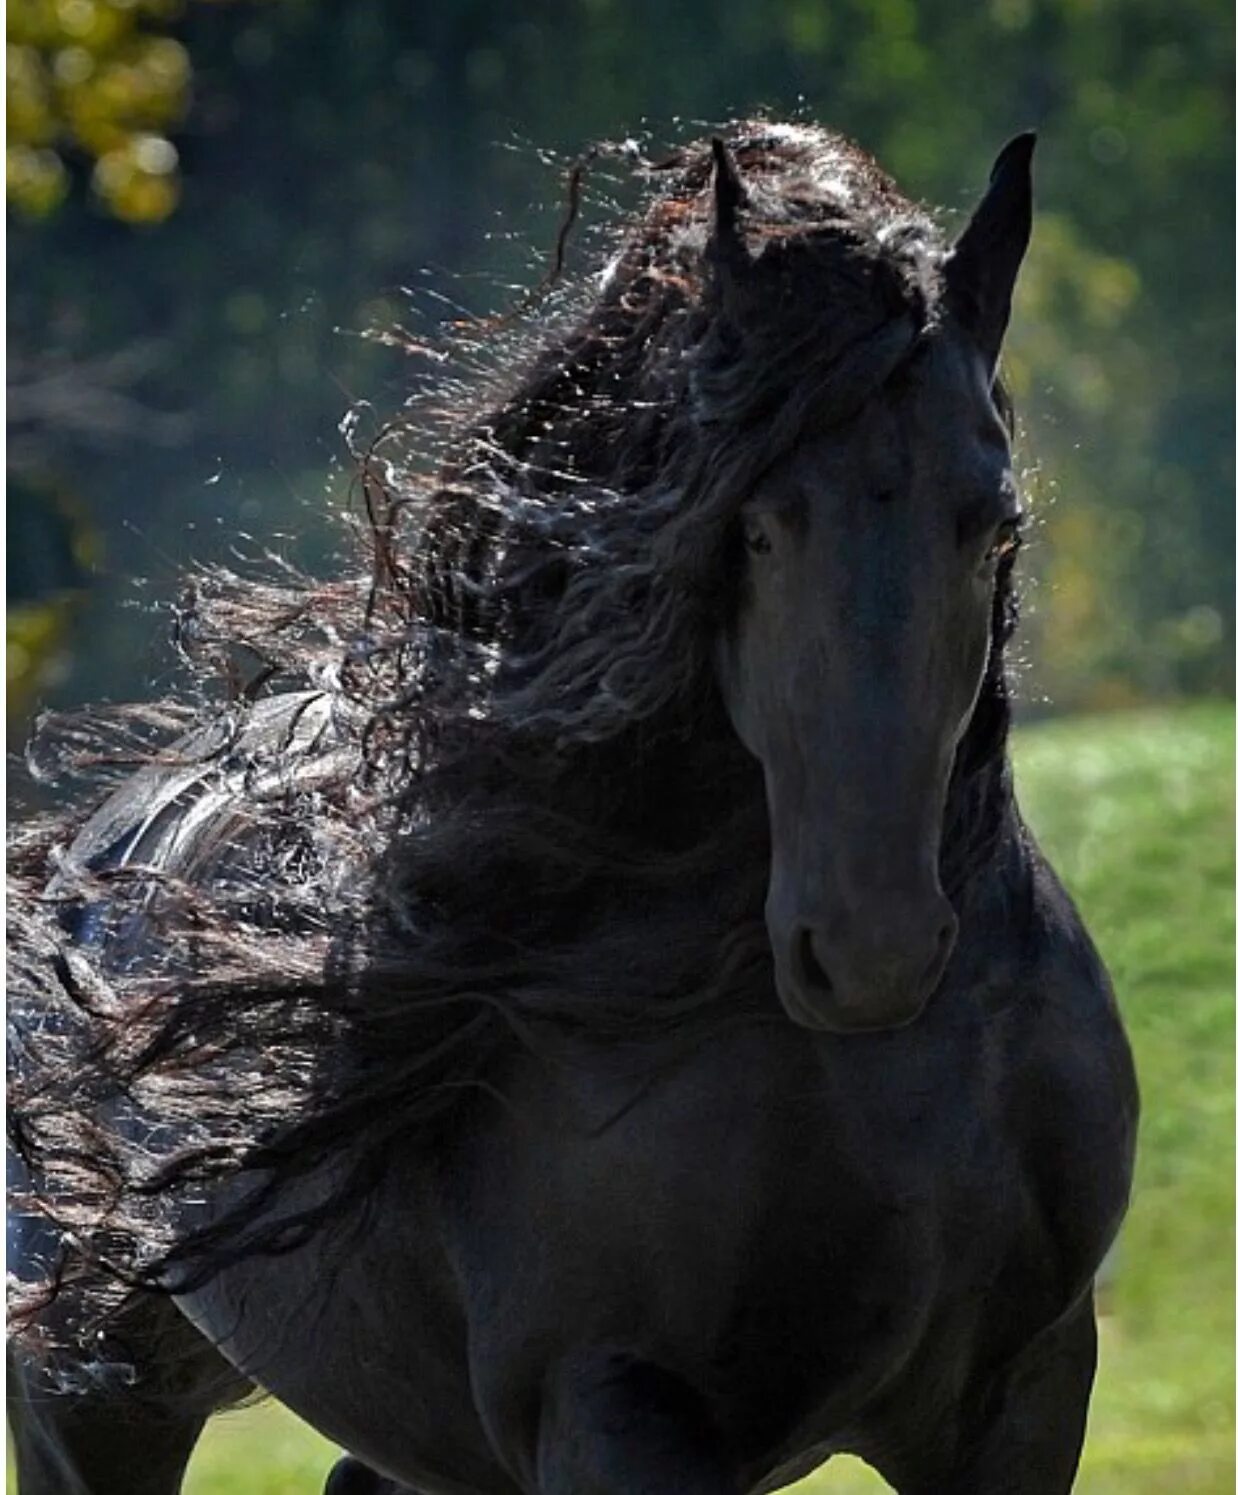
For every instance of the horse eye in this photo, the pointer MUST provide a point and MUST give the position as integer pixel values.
(1005, 543)
(755, 538)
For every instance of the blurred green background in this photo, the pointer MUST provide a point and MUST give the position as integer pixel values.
(218, 211)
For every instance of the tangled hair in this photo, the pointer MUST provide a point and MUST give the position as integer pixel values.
(479, 795)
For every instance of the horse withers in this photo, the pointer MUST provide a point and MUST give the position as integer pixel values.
(592, 1020)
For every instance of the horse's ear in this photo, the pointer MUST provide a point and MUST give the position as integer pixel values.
(980, 272)
(726, 243)
(728, 190)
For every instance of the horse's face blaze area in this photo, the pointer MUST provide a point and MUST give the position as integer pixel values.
(850, 668)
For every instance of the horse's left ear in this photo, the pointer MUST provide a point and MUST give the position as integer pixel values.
(726, 241)
(980, 272)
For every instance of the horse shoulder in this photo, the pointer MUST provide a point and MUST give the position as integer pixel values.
(1072, 1098)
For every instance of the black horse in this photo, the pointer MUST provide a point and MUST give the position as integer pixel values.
(586, 1016)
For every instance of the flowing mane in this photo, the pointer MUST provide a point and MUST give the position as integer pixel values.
(482, 792)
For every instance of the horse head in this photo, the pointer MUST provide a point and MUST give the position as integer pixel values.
(870, 551)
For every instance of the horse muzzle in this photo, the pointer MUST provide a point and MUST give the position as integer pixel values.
(865, 973)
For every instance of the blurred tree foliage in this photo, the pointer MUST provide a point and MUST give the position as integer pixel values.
(335, 151)
(86, 78)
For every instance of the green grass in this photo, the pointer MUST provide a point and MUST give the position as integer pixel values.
(1137, 814)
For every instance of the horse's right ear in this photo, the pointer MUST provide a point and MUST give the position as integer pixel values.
(726, 244)
(980, 272)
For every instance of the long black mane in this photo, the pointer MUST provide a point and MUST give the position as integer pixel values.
(481, 793)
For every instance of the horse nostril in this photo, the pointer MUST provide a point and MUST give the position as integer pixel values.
(941, 954)
(812, 972)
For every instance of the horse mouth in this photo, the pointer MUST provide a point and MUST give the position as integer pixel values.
(845, 1022)
(812, 1000)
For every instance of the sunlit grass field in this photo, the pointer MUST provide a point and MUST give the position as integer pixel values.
(1137, 813)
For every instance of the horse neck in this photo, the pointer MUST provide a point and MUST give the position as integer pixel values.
(696, 795)
(981, 823)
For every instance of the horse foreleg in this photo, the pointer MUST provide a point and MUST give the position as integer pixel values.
(615, 1425)
(120, 1430)
(351, 1477)
(1026, 1435)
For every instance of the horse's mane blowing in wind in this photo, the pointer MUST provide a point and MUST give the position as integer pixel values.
(486, 792)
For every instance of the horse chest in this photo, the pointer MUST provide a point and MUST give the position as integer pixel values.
(761, 1222)
(790, 1233)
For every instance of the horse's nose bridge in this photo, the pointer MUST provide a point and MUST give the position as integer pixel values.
(860, 900)
(860, 840)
